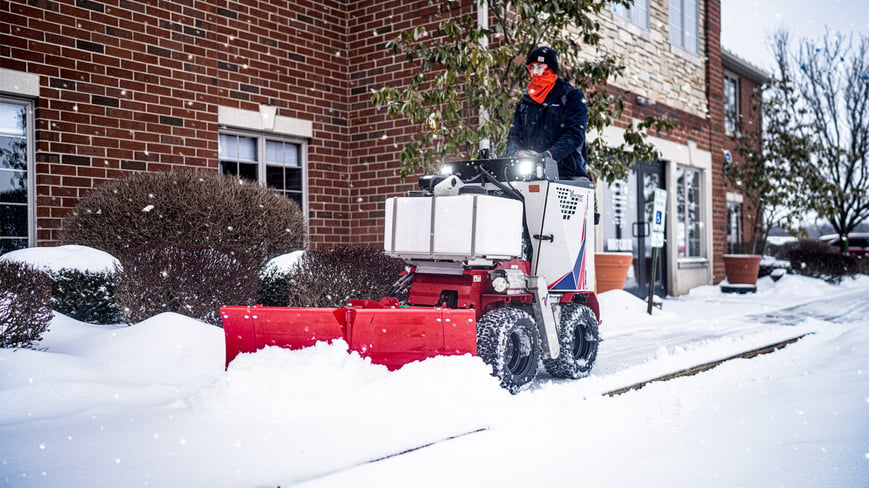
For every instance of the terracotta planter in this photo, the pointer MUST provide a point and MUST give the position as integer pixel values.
(741, 271)
(611, 270)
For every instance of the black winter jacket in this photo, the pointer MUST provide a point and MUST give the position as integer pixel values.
(557, 125)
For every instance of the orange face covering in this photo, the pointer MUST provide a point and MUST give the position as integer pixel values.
(541, 85)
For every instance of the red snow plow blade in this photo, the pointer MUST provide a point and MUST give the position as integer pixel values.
(387, 335)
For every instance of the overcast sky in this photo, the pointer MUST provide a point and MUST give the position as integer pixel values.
(748, 24)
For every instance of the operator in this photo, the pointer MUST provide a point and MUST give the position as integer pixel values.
(550, 120)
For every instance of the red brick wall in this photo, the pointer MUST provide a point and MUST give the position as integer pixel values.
(715, 97)
(376, 140)
(135, 86)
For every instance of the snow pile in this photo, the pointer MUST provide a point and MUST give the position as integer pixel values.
(151, 405)
(53, 259)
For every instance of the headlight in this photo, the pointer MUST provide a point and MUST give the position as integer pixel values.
(447, 169)
(525, 167)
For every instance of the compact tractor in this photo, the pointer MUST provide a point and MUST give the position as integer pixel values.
(498, 255)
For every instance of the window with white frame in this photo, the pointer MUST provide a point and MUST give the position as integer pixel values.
(274, 161)
(731, 103)
(689, 224)
(683, 24)
(16, 173)
(734, 226)
(638, 13)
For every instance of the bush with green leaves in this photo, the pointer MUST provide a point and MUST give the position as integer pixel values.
(331, 277)
(192, 281)
(25, 304)
(88, 296)
(187, 208)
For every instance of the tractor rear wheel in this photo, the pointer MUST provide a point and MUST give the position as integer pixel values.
(578, 337)
(508, 340)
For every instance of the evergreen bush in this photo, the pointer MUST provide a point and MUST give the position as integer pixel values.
(331, 277)
(85, 295)
(186, 208)
(25, 304)
(192, 281)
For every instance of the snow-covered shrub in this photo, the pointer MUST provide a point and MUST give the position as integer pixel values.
(25, 304)
(186, 208)
(192, 281)
(87, 296)
(818, 259)
(274, 288)
(331, 277)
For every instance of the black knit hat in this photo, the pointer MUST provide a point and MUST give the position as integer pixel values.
(545, 55)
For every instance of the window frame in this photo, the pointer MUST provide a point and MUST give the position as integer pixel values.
(731, 113)
(685, 243)
(262, 163)
(30, 166)
(633, 14)
(678, 8)
(735, 237)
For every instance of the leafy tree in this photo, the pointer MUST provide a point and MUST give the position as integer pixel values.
(472, 73)
(831, 82)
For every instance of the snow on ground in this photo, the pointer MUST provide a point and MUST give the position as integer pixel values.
(151, 405)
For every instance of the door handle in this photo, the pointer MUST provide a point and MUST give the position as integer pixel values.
(640, 229)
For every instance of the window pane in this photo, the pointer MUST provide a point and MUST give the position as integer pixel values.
(13, 119)
(640, 13)
(247, 149)
(689, 26)
(283, 153)
(13, 152)
(275, 177)
(7, 245)
(689, 225)
(13, 220)
(731, 106)
(675, 21)
(227, 147)
(15, 211)
(13, 186)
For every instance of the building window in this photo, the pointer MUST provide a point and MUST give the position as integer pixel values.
(689, 225)
(16, 170)
(683, 24)
(734, 227)
(273, 161)
(638, 13)
(731, 104)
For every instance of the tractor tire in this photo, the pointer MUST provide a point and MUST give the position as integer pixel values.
(508, 340)
(578, 337)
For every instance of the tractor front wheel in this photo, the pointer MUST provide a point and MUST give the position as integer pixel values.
(578, 337)
(508, 340)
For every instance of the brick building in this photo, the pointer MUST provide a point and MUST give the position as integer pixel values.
(742, 81)
(279, 91)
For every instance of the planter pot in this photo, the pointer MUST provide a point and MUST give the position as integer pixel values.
(741, 271)
(611, 270)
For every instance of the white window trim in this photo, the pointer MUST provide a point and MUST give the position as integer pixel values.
(24, 87)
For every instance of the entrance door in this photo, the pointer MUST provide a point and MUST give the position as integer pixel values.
(647, 177)
(626, 223)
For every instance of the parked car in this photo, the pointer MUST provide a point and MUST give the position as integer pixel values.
(858, 242)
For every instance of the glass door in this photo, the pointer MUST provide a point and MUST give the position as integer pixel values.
(626, 225)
